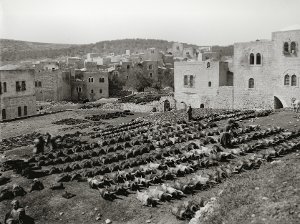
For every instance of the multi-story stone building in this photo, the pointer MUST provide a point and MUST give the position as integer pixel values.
(197, 83)
(266, 75)
(53, 85)
(90, 84)
(17, 92)
(52, 82)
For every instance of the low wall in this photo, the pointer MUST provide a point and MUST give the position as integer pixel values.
(142, 108)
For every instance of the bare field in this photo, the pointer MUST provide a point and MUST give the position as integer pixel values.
(269, 194)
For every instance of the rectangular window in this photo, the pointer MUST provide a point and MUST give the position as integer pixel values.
(191, 81)
(19, 111)
(4, 87)
(100, 90)
(25, 110)
(18, 87)
(185, 80)
(101, 79)
(23, 85)
(0, 88)
(36, 83)
(40, 84)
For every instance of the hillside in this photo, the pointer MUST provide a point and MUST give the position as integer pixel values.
(14, 51)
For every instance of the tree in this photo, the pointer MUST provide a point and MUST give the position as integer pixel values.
(166, 78)
(115, 85)
(138, 80)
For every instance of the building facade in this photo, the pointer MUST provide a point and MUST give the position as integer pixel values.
(53, 85)
(197, 83)
(265, 75)
(17, 93)
(91, 85)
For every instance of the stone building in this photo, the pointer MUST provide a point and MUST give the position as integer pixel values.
(75, 62)
(90, 84)
(51, 81)
(17, 92)
(54, 85)
(197, 83)
(150, 69)
(46, 65)
(266, 75)
(152, 54)
(94, 57)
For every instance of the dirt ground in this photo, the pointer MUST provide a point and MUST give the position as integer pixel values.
(266, 195)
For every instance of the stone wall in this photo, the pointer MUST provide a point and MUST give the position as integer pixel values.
(55, 85)
(11, 105)
(142, 108)
(12, 99)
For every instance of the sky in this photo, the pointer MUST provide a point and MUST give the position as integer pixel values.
(200, 22)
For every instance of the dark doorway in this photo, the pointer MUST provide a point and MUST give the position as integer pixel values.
(167, 105)
(277, 103)
(3, 114)
(201, 105)
(19, 111)
(25, 110)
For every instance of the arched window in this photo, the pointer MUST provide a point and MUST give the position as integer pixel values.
(208, 65)
(191, 80)
(258, 59)
(293, 47)
(294, 80)
(91, 79)
(209, 84)
(150, 74)
(185, 80)
(92, 91)
(100, 91)
(286, 47)
(251, 59)
(251, 83)
(101, 79)
(286, 80)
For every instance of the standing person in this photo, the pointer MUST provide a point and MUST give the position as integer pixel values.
(189, 112)
(39, 144)
(226, 136)
(48, 139)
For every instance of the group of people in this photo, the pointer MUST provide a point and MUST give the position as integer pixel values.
(40, 142)
(227, 133)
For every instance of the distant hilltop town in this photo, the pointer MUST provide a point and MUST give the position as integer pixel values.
(261, 74)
